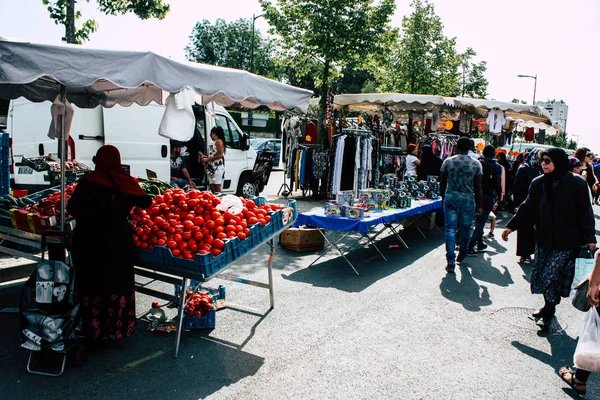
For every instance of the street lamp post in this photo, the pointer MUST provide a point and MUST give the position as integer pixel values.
(254, 18)
(534, 85)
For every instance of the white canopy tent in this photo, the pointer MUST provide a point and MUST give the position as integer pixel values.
(90, 77)
(512, 110)
(395, 102)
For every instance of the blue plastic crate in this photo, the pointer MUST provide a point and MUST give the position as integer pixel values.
(205, 264)
(207, 321)
(154, 257)
(259, 200)
(4, 190)
(241, 247)
(217, 294)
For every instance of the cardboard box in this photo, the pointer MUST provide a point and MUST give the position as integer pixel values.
(302, 239)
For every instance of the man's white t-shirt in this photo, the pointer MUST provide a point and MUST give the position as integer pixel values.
(411, 165)
(495, 120)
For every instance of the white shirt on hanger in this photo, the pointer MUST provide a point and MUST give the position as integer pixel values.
(495, 119)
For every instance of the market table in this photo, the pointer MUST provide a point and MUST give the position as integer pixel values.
(389, 219)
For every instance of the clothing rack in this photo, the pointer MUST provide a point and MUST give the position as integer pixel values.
(391, 150)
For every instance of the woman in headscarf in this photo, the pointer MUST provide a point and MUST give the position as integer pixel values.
(103, 250)
(559, 205)
(430, 164)
(527, 172)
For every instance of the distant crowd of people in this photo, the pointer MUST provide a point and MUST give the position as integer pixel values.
(551, 195)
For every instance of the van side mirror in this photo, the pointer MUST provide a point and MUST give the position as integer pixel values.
(245, 142)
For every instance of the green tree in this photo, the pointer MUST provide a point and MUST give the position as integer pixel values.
(63, 13)
(332, 32)
(517, 101)
(423, 60)
(353, 79)
(474, 84)
(230, 45)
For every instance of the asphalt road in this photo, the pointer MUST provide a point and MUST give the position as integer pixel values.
(402, 329)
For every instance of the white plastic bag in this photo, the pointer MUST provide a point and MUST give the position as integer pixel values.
(231, 203)
(587, 353)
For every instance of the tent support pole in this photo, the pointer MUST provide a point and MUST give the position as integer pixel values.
(63, 154)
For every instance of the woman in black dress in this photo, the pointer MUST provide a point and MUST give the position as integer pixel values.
(103, 249)
(559, 205)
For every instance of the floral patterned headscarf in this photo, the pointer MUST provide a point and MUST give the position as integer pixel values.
(532, 158)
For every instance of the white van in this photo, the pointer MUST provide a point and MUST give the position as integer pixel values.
(134, 131)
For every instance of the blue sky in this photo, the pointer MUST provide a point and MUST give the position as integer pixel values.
(555, 39)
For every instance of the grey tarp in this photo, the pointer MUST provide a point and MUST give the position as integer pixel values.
(107, 77)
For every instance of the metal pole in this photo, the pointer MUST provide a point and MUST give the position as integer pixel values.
(534, 88)
(251, 70)
(63, 154)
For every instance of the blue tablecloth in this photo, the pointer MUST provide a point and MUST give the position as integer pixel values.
(318, 219)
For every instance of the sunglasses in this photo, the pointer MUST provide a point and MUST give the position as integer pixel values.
(546, 160)
(589, 155)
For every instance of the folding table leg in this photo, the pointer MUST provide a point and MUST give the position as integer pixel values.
(184, 286)
(372, 243)
(331, 246)
(402, 242)
(270, 269)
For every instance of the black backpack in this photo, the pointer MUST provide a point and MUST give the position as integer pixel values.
(488, 179)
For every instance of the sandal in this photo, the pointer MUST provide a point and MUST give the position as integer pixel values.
(567, 375)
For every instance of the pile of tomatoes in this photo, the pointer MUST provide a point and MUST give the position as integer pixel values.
(198, 304)
(189, 223)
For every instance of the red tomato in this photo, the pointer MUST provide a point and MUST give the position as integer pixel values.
(215, 252)
(159, 199)
(231, 235)
(239, 228)
(230, 228)
(221, 235)
(192, 203)
(219, 229)
(188, 256)
(182, 246)
(139, 231)
(177, 238)
(215, 215)
(219, 222)
(205, 231)
(186, 235)
(199, 221)
(198, 236)
(252, 220)
(219, 244)
(195, 229)
(203, 251)
(210, 224)
(241, 236)
(187, 225)
(161, 242)
(244, 224)
(247, 231)
(176, 252)
(267, 218)
(208, 239)
(216, 201)
(262, 221)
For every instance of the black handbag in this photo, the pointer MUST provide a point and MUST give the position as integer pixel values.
(580, 301)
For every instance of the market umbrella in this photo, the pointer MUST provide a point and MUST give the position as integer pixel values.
(89, 77)
(395, 102)
(525, 112)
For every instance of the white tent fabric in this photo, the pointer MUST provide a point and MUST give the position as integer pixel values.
(107, 77)
(396, 102)
(512, 110)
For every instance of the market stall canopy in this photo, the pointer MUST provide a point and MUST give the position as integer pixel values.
(513, 110)
(395, 102)
(107, 77)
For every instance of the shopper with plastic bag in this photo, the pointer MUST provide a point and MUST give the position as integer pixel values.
(587, 353)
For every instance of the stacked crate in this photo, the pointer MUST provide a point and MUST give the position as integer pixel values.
(4, 163)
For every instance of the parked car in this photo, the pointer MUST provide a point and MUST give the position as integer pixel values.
(261, 144)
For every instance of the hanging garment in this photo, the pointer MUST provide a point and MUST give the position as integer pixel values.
(495, 120)
(529, 134)
(178, 121)
(348, 169)
(319, 163)
(464, 122)
(338, 161)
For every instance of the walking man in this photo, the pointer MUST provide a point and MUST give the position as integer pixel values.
(491, 184)
(460, 186)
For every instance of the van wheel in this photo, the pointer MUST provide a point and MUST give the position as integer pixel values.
(246, 188)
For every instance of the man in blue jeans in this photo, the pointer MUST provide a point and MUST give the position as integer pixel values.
(460, 186)
(491, 184)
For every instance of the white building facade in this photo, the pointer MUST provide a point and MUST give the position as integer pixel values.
(558, 109)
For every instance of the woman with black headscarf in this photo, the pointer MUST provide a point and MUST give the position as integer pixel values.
(103, 249)
(430, 164)
(559, 206)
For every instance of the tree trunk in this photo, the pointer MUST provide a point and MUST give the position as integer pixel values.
(70, 22)
(321, 132)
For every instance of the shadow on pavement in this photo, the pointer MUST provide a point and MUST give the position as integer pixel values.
(466, 291)
(336, 273)
(143, 367)
(483, 270)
